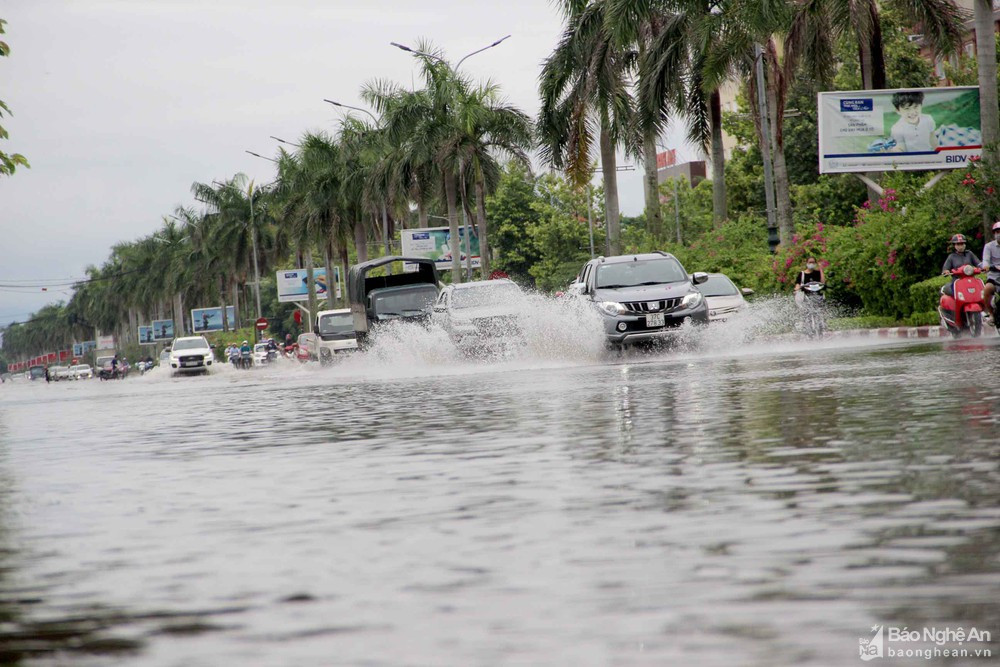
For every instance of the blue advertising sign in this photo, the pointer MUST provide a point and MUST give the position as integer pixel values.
(210, 319)
(163, 330)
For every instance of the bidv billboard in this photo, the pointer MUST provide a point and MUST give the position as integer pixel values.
(436, 243)
(210, 319)
(293, 284)
(912, 129)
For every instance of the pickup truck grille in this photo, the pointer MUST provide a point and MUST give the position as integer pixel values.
(652, 306)
(192, 357)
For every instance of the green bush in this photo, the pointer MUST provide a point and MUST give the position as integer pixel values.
(926, 294)
(929, 318)
(863, 322)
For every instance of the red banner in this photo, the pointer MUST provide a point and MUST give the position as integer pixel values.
(667, 158)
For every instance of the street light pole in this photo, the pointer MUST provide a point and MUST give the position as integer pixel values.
(765, 141)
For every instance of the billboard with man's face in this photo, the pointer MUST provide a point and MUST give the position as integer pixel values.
(163, 330)
(909, 129)
(210, 319)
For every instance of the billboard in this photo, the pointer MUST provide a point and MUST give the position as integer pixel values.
(292, 284)
(435, 243)
(146, 335)
(105, 342)
(163, 330)
(908, 129)
(210, 319)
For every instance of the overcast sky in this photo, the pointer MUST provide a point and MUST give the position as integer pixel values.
(120, 105)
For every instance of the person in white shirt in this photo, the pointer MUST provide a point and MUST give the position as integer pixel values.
(991, 262)
(914, 131)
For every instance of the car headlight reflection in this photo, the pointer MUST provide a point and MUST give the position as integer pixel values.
(612, 307)
(692, 300)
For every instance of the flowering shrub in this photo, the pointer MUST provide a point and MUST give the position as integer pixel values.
(900, 240)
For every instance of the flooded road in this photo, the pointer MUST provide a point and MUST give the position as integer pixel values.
(760, 506)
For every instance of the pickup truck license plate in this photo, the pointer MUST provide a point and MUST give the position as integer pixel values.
(189, 363)
(655, 320)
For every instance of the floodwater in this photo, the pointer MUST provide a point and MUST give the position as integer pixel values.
(760, 504)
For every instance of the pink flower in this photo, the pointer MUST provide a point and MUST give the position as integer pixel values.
(878, 260)
(823, 263)
(867, 204)
(789, 262)
(819, 226)
(892, 276)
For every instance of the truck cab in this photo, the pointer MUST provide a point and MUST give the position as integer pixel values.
(407, 294)
(335, 334)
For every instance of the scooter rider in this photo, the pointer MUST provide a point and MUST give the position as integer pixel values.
(991, 261)
(957, 259)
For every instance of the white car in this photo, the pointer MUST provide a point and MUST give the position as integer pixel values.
(260, 354)
(58, 373)
(335, 333)
(482, 315)
(723, 297)
(81, 372)
(191, 354)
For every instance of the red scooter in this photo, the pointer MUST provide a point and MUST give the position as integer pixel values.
(964, 311)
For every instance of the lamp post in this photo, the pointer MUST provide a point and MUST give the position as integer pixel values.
(465, 215)
(253, 242)
(385, 217)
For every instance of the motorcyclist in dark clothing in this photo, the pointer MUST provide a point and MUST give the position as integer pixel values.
(957, 259)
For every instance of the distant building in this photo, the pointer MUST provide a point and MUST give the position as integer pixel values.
(693, 171)
(968, 46)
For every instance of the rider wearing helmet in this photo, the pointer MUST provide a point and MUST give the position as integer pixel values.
(991, 261)
(957, 259)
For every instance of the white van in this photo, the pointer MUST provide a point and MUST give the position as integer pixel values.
(335, 333)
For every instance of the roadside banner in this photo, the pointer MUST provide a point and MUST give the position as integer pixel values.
(913, 129)
(435, 243)
(105, 342)
(163, 330)
(88, 345)
(210, 319)
(146, 335)
(77, 349)
(292, 284)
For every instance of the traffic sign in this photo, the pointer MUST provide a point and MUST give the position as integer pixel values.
(298, 317)
(262, 323)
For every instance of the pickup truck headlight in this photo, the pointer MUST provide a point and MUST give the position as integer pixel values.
(692, 300)
(612, 307)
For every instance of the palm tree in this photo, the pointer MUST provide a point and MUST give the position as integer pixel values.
(584, 82)
(986, 59)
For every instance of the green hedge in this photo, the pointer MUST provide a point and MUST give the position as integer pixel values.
(926, 294)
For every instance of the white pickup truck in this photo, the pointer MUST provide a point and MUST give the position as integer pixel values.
(335, 334)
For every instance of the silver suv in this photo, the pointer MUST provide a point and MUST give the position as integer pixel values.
(642, 297)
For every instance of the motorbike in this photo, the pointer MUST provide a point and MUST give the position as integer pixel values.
(963, 311)
(246, 359)
(813, 312)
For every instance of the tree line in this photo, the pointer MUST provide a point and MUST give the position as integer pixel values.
(619, 71)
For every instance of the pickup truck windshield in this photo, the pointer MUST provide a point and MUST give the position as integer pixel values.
(341, 323)
(192, 344)
(405, 302)
(642, 272)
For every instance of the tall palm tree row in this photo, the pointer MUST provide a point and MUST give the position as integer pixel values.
(620, 71)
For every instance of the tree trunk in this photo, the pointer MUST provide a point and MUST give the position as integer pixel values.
(345, 265)
(986, 59)
(361, 241)
(179, 314)
(651, 183)
(454, 243)
(782, 192)
(222, 292)
(236, 305)
(719, 208)
(610, 172)
(311, 284)
(871, 61)
(422, 214)
(328, 253)
(484, 246)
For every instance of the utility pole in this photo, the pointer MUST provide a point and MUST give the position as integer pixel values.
(765, 150)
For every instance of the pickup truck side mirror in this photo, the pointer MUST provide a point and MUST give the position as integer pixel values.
(747, 291)
(699, 277)
(577, 288)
